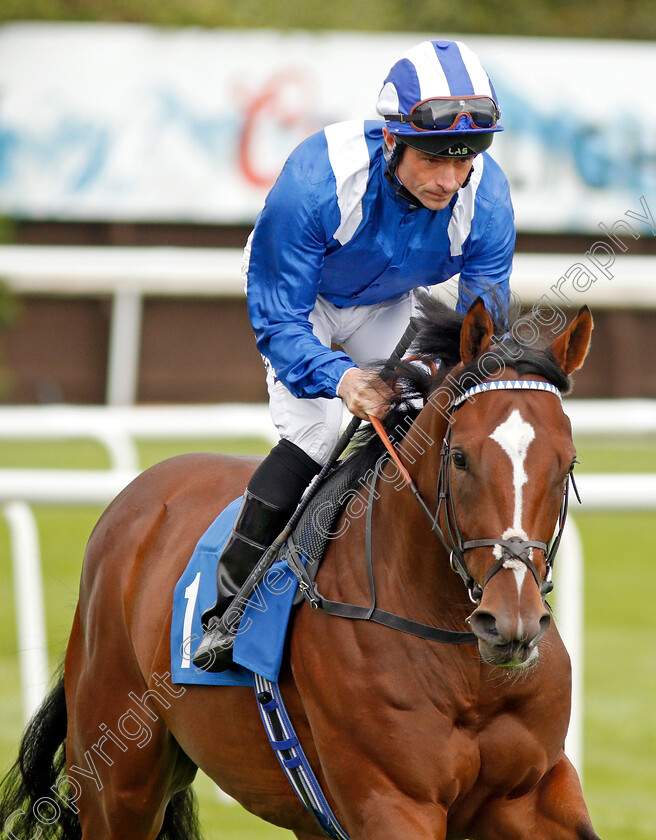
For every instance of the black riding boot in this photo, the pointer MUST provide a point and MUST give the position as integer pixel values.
(271, 497)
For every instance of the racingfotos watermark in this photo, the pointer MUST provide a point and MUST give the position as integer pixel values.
(131, 729)
(545, 318)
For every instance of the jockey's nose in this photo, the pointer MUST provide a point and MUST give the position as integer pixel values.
(446, 176)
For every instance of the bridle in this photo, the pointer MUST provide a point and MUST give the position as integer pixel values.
(514, 548)
(510, 549)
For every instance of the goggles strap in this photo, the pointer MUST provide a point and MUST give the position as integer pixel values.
(468, 178)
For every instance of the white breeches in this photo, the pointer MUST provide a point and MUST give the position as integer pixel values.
(368, 334)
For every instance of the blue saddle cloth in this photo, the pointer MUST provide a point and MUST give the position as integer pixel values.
(259, 645)
(261, 638)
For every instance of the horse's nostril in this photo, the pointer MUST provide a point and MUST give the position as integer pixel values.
(545, 621)
(484, 625)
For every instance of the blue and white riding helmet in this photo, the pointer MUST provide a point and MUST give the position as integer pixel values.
(438, 99)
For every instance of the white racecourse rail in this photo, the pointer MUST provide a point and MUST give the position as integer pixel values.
(118, 427)
(131, 274)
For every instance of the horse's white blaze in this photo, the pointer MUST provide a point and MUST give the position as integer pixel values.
(514, 436)
(519, 570)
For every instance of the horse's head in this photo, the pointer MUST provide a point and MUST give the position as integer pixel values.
(505, 467)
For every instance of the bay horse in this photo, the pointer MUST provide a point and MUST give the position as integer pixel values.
(410, 739)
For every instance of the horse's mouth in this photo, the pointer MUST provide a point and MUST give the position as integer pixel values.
(512, 655)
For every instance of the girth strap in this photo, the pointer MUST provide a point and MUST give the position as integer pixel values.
(282, 737)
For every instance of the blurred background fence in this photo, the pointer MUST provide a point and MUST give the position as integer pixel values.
(136, 164)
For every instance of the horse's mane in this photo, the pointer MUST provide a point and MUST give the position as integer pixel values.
(438, 340)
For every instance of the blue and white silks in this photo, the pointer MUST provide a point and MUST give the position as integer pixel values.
(333, 226)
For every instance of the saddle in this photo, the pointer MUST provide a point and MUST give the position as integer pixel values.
(306, 545)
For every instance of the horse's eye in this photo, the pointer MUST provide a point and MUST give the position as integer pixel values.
(459, 460)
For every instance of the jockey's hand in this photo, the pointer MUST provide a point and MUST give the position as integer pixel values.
(364, 393)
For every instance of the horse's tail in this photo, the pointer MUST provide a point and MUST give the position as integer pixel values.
(181, 818)
(31, 803)
(33, 799)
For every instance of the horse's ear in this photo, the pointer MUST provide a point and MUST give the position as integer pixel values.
(476, 333)
(571, 346)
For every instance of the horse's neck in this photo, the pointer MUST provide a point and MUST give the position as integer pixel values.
(412, 566)
(420, 449)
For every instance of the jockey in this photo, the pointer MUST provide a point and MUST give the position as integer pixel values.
(362, 214)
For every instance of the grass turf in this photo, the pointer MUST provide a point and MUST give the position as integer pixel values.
(620, 672)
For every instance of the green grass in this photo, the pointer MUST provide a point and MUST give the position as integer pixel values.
(547, 19)
(617, 455)
(620, 629)
(620, 673)
(89, 454)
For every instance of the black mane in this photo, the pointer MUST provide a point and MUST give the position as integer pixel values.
(438, 339)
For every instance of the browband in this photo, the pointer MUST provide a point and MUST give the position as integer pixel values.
(507, 385)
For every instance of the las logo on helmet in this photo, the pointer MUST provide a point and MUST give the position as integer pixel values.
(459, 150)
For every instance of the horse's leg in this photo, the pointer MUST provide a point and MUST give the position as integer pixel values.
(123, 766)
(554, 810)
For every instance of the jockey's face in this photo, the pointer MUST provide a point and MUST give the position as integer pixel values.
(432, 179)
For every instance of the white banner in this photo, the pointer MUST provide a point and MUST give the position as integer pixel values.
(123, 122)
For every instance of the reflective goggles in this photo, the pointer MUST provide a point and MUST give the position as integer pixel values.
(443, 114)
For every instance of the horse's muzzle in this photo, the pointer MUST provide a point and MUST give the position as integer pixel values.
(508, 643)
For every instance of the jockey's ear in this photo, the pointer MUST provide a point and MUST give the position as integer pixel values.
(571, 347)
(476, 333)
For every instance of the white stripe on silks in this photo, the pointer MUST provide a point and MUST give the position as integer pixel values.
(477, 74)
(463, 211)
(349, 157)
(432, 79)
(388, 100)
(246, 260)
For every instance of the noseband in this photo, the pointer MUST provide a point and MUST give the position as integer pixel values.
(513, 549)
